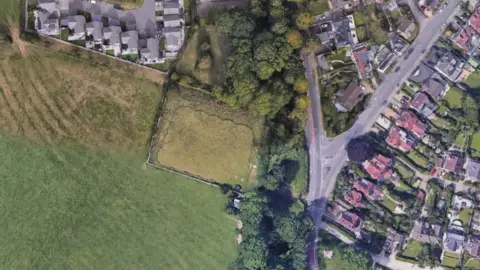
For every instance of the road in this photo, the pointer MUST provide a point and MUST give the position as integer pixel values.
(327, 156)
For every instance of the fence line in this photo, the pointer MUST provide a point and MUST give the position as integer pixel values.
(213, 184)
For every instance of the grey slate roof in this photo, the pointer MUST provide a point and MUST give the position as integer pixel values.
(343, 36)
(152, 49)
(172, 20)
(112, 33)
(95, 29)
(454, 241)
(421, 73)
(435, 86)
(450, 65)
(171, 7)
(76, 23)
(173, 36)
(130, 38)
(473, 169)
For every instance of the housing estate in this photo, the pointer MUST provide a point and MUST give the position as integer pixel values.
(369, 189)
(378, 167)
(400, 139)
(422, 104)
(409, 121)
(451, 162)
(427, 233)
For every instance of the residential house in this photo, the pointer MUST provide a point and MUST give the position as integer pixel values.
(474, 21)
(324, 32)
(409, 121)
(384, 59)
(427, 233)
(350, 221)
(399, 139)
(151, 53)
(384, 122)
(361, 58)
(111, 40)
(450, 66)
(451, 163)
(173, 20)
(475, 221)
(435, 86)
(422, 104)
(94, 36)
(342, 4)
(407, 29)
(467, 40)
(354, 198)
(473, 246)
(421, 74)
(473, 170)
(171, 7)
(369, 189)
(454, 239)
(343, 33)
(397, 44)
(129, 42)
(394, 241)
(174, 38)
(378, 167)
(76, 26)
(348, 97)
(459, 203)
(46, 23)
(47, 6)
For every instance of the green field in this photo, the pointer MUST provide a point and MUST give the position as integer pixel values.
(413, 249)
(450, 259)
(388, 203)
(440, 122)
(475, 144)
(359, 18)
(454, 98)
(404, 171)
(460, 139)
(473, 80)
(418, 158)
(465, 215)
(472, 264)
(319, 6)
(64, 209)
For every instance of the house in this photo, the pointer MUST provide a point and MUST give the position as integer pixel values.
(342, 4)
(384, 122)
(467, 40)
(151, 53)
(348, 97)
(94, 31)
(129, 41)
(46, 23)
(324, 32)
(459, 202)
(174, 38)
(384, 59)
(343, 33)
(409, 121)
(76, 25)
(399, 139)
(450, 66)
(473, 246)
(474, 21)
(427, 233)
(171, 7)
(47, 6)
(422, 104)
(451, 163)
(421, 74)
(361, 58)
(369, 189)
(475, 221)
(393, 241)
(173, 20)
(406, 28)
(435, 86)
(354, 198)
(111, 40)
(378, 167)
(454, 239)
(398, 45)
(473, 170)
(350, 221)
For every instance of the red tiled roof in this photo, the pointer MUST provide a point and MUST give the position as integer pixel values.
(409, 121)
(349, 220)
(354, 198)
(368, 189)
(475, 20)
(377, 167)
(418, 100)
(463, 37)
(397, 138)
(453, 163)
(358, 55)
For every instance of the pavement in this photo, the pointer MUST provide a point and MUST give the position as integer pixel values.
(327, 156)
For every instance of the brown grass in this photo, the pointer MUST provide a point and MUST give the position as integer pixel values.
(56, 99)
(17, 43)
(207, 139)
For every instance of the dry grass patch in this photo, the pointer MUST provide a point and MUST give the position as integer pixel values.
(53, 98)
(206, 139)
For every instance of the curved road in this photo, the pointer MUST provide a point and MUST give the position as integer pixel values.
(328, 156)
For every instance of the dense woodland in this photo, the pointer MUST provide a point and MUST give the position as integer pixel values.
(265, 75)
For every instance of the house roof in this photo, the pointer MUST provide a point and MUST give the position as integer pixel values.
(95, 29)
(421, 74)
(399, 139)
(427, 233)
(467, 39)
(454, 241)
(473, 169)
(368, 188)
(450, 65)
(343, 35)
(76, 23)
(422, 103)
(173, 38)
(474, 21)
(435, 86)
(112, 33)
(349, 220)
(172, 20)
(171, 4)
(152, 49)
(350, 96)
(362, 61)
(354, 198)
(473, 245)
(398, 44)
(406, 27)
(336, 4)
(453, 163)
(377, 167)
(409, 121)
(130, 38)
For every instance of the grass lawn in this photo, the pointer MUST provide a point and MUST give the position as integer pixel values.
(359, 18)
(473, 264)
(440, 122)
(204, 138)
(186, 4)
(362, 33)
(402, 187)
(454, 97)
(413, 249)
(475, 145)
(418, 158)
(388, 203)
(460, 140)
(80, 43)
(473, 80)
(450, 259)
(81, 209)
(465, 215)
(405, 172)
(110, 52)
(220, 48)
(319, 6)
(408, 90)
(165, 66)
(75, 102)
(64, 34)
(130, 57)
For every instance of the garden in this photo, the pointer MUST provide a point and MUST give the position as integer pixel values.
(473, 81)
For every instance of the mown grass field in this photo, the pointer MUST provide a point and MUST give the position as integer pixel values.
(219, 48)
(64, 209)
(454, 97)
(475, 144)
(473, 264)
(413, 249)
(473, 80)
(56, 99)
(207, 139)
(450, 259)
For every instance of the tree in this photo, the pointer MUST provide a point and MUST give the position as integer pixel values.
(301, 85)
(312, 45)
(470, 108)
(354, 260)
(242, 45)
(205, 62)
(294, 38)
(235, 23)
(359, 149)
(252, 254)
(280, 26)
(304, 19)
(205, 47)
(244, 86)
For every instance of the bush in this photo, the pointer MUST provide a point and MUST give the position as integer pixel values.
(205, 62)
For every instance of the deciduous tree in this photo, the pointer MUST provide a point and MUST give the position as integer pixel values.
(294, 38)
